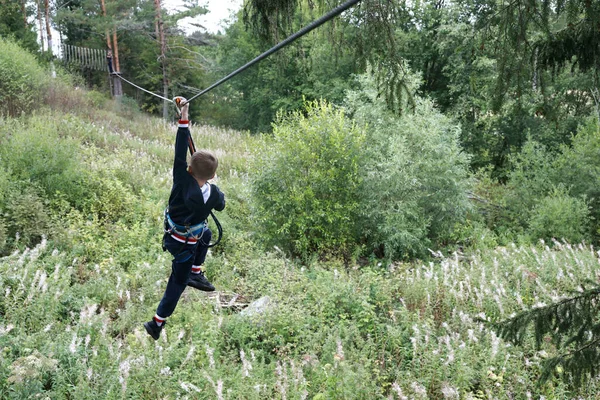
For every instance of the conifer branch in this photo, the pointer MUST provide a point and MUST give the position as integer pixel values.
(573, 326)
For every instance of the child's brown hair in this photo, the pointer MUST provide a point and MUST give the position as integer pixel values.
(204, 164)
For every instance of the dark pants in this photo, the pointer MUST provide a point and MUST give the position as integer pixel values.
(184, 256)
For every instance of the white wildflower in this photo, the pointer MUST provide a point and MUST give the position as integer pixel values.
(418, 389)
(73, 345)
(218, 387)
(495, 343)
(246, 366)
(472, 336)
(449, 392)
(398, 390)
(209, 353)
(189, 354)
(339, 356)
(5, 330)
(124, 368)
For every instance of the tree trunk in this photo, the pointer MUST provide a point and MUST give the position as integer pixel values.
(48, 30)
(106, 32)
(160, 30)
(117, 80)
(116, 51)
(113, 49)
(40, 23)
(49, 36)
(24, 12)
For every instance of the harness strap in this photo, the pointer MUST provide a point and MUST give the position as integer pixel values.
(184, 233)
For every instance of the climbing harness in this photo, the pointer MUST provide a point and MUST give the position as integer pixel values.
(188, 234)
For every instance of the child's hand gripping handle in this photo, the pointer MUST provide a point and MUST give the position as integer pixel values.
(182, 106)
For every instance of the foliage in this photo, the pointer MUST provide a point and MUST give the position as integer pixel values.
(13, 24)
(530, 199)
(417, 175)
(72, 306)
(311, 68)
(23, 80)
(307, 184)
(26, 215)
(578, 167)
(43, 158)
(572, 325)
(560, 216)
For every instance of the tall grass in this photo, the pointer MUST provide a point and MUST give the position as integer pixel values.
(74, 297)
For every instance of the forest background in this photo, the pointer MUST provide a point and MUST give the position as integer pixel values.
(398, 180)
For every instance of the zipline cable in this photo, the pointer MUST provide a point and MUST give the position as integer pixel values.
(315, 24)
(141, 88)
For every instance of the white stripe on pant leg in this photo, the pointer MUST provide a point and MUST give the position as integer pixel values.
(159, 320)
(196, 269)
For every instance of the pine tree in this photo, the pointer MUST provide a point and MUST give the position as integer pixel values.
(572, 325)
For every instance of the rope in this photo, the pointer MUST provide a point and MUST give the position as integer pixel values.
(315, 24)
(141, 88)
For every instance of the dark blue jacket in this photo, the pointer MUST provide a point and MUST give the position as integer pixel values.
(186, 203)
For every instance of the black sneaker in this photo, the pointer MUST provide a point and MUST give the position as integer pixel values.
(200, 282)
(153, 329)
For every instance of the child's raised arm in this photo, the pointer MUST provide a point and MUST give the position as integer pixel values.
(181, 143)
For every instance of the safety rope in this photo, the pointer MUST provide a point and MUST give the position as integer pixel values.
(141, 88)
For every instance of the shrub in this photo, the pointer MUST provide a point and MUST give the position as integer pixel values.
(2, 235)
(4, 184)
(536, 174)
(26, 216)
(417, 174)
(561, 216)
(23, 80)
(35, 151)
(308, 182)
(578, 166)
(530, 179)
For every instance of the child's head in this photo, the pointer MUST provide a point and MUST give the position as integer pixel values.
(203, 165)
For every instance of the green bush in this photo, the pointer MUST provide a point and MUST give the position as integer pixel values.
(308, 182)
(4, 184)
(530, 179)
(417, 174)
(26, 216)
(560, 216)
(578, 166)
(537, 172)
(34, 150)
(23, 80)
(3, 235)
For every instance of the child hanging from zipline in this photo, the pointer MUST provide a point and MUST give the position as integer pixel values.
(187, 235)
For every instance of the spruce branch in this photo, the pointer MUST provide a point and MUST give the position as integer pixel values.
(573, 327)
